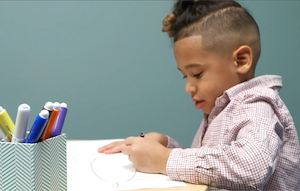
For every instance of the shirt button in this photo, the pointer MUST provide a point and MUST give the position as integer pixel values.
(213, 184)
(182, 177)
(214, 116)
(223, 100)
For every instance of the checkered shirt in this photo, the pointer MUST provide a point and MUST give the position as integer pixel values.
(247, 142)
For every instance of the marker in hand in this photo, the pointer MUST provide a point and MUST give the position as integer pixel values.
(21, 123)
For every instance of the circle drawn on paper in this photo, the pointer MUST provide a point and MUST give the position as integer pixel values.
(110, 169)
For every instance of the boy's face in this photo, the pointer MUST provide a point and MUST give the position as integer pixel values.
(208, 74)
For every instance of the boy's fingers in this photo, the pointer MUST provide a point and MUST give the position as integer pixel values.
(126, 150)
(101, 150)
(129, 140)
(119, 148)
(107, 147)
(110, 151)
(116, 149)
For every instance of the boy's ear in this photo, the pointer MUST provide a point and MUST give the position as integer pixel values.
(243, 58)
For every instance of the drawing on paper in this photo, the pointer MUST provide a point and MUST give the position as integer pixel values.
(114, 169)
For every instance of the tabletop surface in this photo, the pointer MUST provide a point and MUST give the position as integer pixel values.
(189, 187)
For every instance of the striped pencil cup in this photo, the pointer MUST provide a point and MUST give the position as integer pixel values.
(38, 166)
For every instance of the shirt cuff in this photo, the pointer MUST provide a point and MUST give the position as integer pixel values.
(172, 143)
(188, 166)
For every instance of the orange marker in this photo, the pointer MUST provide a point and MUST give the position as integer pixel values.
(52, 120)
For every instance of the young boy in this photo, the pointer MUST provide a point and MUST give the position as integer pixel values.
(247, 139)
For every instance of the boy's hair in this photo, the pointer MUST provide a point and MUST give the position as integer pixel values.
(223, 25)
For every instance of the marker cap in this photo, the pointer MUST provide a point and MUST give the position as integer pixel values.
(21, 123)
(49, 106)
(56, 106)
(44, 114)
(63, 105)
(24, 107)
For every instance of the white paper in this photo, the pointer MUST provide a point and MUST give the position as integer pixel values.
(89, 170)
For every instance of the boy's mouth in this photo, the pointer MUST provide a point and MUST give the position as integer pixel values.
(199, 104)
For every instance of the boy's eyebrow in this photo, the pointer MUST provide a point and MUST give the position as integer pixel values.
(191, 66)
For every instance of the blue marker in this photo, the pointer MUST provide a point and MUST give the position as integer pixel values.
(60, 121)
(38, 127)
(49, 107)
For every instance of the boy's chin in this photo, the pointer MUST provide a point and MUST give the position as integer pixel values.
(206, 111)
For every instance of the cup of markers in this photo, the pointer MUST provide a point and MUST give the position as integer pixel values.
(48, 123)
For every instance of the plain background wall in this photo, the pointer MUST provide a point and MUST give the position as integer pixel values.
(112, 65)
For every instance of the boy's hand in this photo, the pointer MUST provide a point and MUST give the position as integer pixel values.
(158, 137)
(147, 155)
(115, 147)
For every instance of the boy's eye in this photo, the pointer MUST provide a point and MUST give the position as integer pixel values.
(198, 75)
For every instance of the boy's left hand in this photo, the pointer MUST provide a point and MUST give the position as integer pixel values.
(146, 155)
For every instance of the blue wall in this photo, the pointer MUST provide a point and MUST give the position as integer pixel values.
(112, 65)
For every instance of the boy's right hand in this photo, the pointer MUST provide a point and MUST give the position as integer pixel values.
(117, 147)
(158, 137)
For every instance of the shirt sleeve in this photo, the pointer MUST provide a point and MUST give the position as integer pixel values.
(172, 143)
(245, 163)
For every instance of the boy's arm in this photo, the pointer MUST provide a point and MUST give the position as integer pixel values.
(165, 140)
(172, 143)
(246, 163)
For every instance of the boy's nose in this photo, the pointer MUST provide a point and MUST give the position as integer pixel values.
(190, 89)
